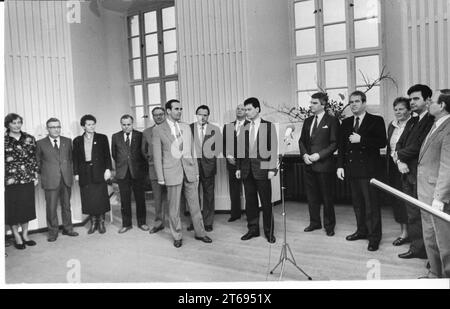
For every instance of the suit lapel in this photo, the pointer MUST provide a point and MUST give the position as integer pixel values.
(94, 145)
(168, 131)
(432, 137)
(319, 125)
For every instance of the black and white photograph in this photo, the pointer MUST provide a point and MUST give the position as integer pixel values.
(226, 143)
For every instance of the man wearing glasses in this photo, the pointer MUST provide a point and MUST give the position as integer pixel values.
(54, 157)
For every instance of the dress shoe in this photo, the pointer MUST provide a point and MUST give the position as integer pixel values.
(156, 229)
(51, 239)
(177, 243)
(144, 227)
(233, 219)
(190, 227)
(355, 236)
(373, 246)
(330, 233)
(101, 224)
(28, 242)
(311, 228)
(94, 225)
(249, 235)
(271, 239)
(204, 239)
(208, 228)
(19, 246)
(410, 255)
(125, 229)
(70, 233)
(400, 241)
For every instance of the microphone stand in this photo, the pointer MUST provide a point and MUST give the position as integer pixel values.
(285, 248)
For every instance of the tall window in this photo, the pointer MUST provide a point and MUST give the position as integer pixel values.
(152, 40)
(337, 47)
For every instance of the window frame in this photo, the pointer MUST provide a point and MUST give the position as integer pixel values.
(144, 81)
(351, 53)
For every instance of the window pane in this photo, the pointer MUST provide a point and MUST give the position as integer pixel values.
(152, 67)
(170, 41)
(336, 73)
(150, 22)
(335, 95)
(168, 17)
(154, 94)
(137, 74)
(171, 90)
(333, 11)
(140, 120)
(304, 98)
(134, 25)
(369, 67)
(373, 95)
(170, 62)
(135, 48)
(365, 8)
(335, 37)
(304, 14)
(138, 98)
(306, 76)
(151, 44)
(305, 42)
(366, 33)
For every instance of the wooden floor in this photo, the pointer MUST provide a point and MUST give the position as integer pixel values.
(137, 256)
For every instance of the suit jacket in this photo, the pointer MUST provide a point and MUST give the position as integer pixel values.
(147, 151)
(54, 164)
(100, 159)
(128, 157)
(206, 152)
(433, 175)
(230, 146)
(170, 163)
(363, 159)
(266, 157)
(408, 146)
(323, 142)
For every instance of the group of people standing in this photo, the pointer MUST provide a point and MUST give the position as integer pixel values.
(417, 163)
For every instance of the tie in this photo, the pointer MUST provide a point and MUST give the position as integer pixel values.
(202, 133)
(314, 127)
(238, 128)
(356, 127)
(178, 136)
(55, 141)
(127, 140)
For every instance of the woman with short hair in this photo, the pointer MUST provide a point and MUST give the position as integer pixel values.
(20, 179)
(92, 168)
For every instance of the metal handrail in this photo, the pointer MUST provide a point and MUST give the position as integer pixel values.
(411, 200)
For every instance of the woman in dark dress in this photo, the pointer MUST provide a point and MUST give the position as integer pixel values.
(92, 168)
(402, 111)
(20, 179)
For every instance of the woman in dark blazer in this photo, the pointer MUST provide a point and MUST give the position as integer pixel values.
(92, 168)
(402, 111)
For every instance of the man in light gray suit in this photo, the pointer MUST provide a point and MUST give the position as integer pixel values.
(54, 157)
(433, 187)
(177, 168)
(159, 116)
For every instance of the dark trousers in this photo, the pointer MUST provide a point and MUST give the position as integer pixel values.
(254, 187)
(127, 185)
(398, 206)
(208, 207)
(235, 186)
(414, 220)
(62, 193)
(367, 209)
(319, 189)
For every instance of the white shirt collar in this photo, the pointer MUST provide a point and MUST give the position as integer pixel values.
(422, 115)
(361, 117)
(441, 120)
(125, 135)
(53, 138)
(319, 117)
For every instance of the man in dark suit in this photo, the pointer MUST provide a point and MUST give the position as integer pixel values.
(54, 157)
(159, 116)
(360, 140)
(407, 153)
(205, 136)
(317, 143)
(130, 172)
(230, 152)
(256, 164)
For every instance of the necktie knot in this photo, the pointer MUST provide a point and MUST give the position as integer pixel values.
(356, 127)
